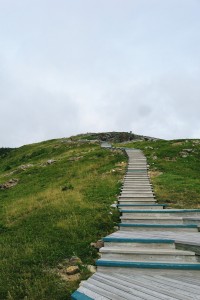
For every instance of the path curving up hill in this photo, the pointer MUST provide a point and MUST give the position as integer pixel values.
(144, 259)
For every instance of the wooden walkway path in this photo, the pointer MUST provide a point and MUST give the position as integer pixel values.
(153, 255)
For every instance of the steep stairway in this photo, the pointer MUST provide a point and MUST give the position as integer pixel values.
(141, 259)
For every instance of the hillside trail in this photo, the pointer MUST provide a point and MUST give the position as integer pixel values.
(154, 253)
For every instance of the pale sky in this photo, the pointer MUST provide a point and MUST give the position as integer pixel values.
(76, 66)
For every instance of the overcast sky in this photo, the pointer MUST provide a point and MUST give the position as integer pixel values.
(76, 66)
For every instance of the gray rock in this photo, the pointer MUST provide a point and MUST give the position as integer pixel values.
(91, 268)
(184, 154)
(98, 244)
(74, 260)
(188, 150)
(72, 270)
(51, 161)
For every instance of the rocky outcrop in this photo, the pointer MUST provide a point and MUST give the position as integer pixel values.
(10, 183)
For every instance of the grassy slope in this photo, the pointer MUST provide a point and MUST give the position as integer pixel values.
(176, 179)
(41, 225)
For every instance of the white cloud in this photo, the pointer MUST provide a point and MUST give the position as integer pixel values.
(76, 66)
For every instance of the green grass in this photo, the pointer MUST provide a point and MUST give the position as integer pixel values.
(53, 213)
(176, 179)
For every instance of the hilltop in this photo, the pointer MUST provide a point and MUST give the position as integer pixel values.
(55, 199)
(113, 137)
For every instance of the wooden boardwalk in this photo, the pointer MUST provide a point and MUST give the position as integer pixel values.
(154, 254)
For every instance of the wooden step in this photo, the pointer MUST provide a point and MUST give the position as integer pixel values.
(160, 213)
(158, 227)
(136, 184)
(138, 190)
(104, 290)
(141, 206)
(145, 268)
(139, 201)
(133, 243)
(98, 289)
(136, 195)
(133, 175)
(136, 198)
(153, 220)
(146, 191)
(141, 194)
(136, 178)
(159, 287)
(134, 189)
(145, 254)
(120, 289)
(137, 165)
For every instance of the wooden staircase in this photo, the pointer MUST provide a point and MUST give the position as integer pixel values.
(141, 260)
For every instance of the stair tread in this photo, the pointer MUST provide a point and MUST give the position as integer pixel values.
(136, 239)
(146, 251)
(145, 264)
(106, 291)
(158, 225)
(152, 218)
(155, 284)
(123, 290)
(167, 210)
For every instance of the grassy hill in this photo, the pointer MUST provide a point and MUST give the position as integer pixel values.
(60, 203)
(55, 200)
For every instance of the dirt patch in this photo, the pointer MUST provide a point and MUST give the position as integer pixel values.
(75, 158)
(178, 144)
(170, 158)
(155, 173)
